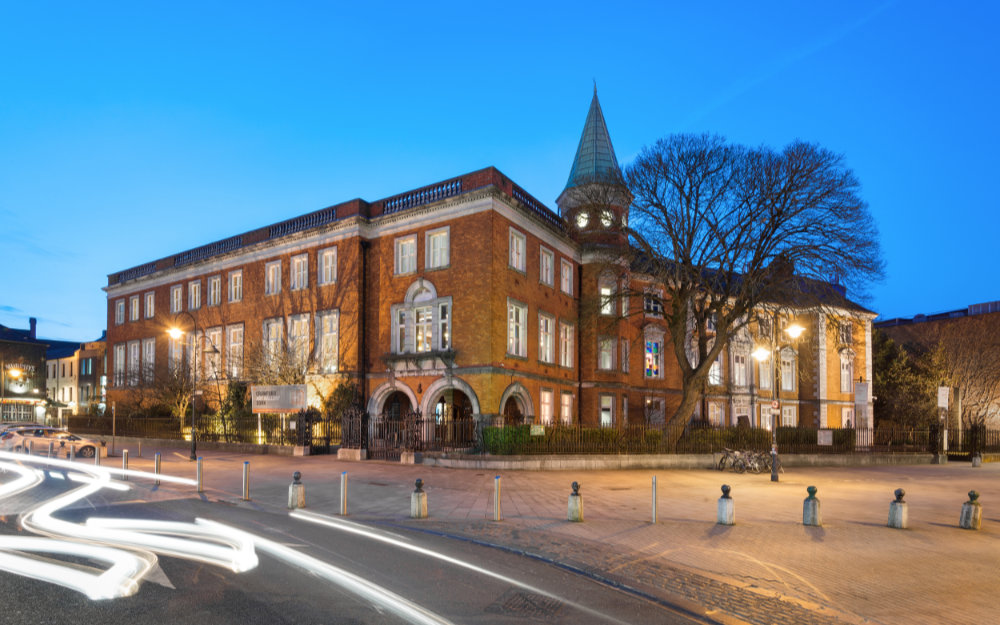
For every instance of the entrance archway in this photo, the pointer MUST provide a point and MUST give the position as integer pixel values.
(396, 405)
(513, 411)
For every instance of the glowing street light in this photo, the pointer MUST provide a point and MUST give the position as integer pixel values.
(176, 333)
(761, 354)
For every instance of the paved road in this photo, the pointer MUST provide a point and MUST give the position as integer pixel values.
(312, 568)
(767, 568)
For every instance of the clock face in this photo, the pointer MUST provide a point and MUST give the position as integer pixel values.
(607, 218)
(582, 220)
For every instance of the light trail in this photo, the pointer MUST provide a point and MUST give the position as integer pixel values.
(353, 528)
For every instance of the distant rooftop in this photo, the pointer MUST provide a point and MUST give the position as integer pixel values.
(968, 311)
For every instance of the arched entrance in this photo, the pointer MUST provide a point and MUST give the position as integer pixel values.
(513, 411)
(516, 405)
(396, 405)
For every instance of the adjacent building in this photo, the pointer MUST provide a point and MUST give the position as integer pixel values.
(464, 297)
(22, 374)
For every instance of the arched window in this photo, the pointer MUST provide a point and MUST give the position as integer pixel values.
(422, 323)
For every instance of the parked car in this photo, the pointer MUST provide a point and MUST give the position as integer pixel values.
(38, 438)
(9, 425)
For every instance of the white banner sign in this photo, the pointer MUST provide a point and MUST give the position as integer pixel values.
(943, 396)
(286, 398)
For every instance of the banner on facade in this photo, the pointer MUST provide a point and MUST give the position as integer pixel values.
(861, 395)
(284, 398)
(944, 394)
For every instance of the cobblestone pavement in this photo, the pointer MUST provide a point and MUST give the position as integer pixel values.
(768, 568)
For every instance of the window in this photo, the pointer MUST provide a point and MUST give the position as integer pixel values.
(234, 350)
(652, 304)
(150, 301)
(436, 249)
(789, 416)
(565, 345)
(626, 349)
(765, 416)
(566, 408)
(517, 244)
(133, 308)
(846, 371)
(517, 321)
(213, 364)
(606, 353)
(134, 363)
(546, 409)
(214, 290)
(194, 295)
(847, 418)
(546, 267)
(406, 255)
(740, 369)
(655, 415)
(846, 333)
(607, 410)
(300, 272)
(712, 322)
(298, 340)
(148, 359)
(119, 312)
(175, 355)
(176, 299)
(715, 371)
(236, 285)
(764, 373)
(327, 345)
(715, 413)
(653, 359)
(624, 408)
(272, 278)
(327, 266)
(606, 292)
(787, 371)
(272, 339)
(423, 322)
(566, 276)
(546, 337)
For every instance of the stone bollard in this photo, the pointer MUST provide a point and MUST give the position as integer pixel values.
(972, 513)
(418, 501)
(296, 492)
(810, 509)
(898, 516)
(727, 508)
(574, 511)
(977, 460)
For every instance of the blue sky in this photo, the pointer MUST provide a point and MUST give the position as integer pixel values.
(130, 131)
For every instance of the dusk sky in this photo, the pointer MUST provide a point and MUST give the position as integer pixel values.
(131, 131)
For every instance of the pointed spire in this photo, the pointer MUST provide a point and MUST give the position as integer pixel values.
(595, 158)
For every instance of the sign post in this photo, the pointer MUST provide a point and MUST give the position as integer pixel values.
(276, 399)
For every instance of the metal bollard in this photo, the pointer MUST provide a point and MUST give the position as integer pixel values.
(246, 480)
(296, 492)
(51, 447)
(972, 513)
(72, 453)
(31, 448)
(898, 516)
(810, 509)
(418, 501)
(124, 464)
(654, 499)
(343, 493)
(156, 467)
(726, 514)
(199, 475)
(496, 499)
(574, 510)
(97, 457)
(139, 452)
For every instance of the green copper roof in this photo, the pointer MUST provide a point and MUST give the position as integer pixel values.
(595, 158)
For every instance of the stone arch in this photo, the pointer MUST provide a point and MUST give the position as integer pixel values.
(421, 290)
(518, 392)
(377, 400)
(434, 391)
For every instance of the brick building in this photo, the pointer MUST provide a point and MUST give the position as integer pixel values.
(468, 296)
(22, 374)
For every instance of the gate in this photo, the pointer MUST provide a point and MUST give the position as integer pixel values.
(390, 434)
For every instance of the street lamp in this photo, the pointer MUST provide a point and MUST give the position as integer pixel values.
(14, 373)
(176, 333)
(761, 354)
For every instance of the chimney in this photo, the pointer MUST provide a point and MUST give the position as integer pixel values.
(32, 324)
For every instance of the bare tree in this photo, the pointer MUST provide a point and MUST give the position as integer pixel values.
(729, 230)
(969, 351)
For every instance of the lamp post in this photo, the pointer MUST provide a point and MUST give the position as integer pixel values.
(176, 333)
(761, 354)
(14, 373)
